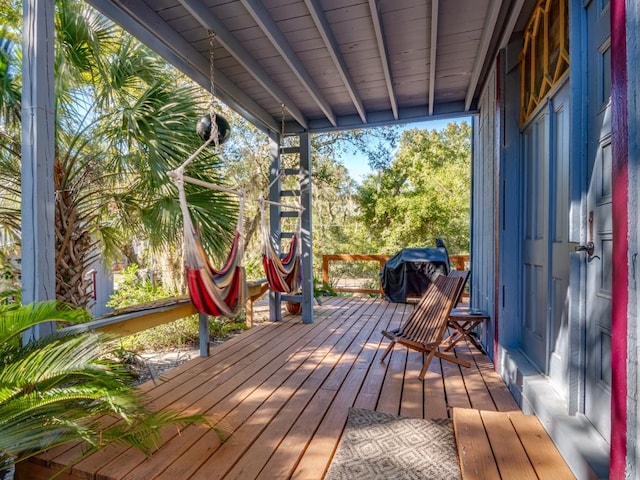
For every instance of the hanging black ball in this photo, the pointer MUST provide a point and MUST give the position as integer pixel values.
(204, 128)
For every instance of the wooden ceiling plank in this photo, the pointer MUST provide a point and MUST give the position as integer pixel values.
(384, 60)
(324, 28)
(143, 23)
(209, 21)
(262, 17)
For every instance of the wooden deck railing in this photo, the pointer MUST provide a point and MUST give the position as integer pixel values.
(142, 317)
(461, 262)
(327, 259)
(151, 315)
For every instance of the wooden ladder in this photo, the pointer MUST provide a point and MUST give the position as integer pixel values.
(277, 215)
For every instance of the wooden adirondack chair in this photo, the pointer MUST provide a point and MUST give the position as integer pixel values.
(426, 327)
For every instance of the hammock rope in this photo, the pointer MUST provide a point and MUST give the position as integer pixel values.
(283, 273)
(217, 292)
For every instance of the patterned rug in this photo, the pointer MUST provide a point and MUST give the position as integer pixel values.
(379, 446)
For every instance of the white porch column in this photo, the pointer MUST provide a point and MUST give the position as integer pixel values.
(38, 243)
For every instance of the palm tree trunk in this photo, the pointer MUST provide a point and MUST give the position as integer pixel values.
(74, 247)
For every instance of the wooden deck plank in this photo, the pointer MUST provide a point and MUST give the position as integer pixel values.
(286, 456)
(41, 472)
(330, 376)
(390, 395)
(129, 458)
(412, 401)
(511, 459)
(322, 403)
(477, 389)
(320, 449)
(454, 386)
(370, 390)
(230, 452)
(65, 454)
(238, 405)
(279, 397)
(542, 452)
(234, 402)
(435, 399)
(502, 398)
(208, 386)
(474, 450)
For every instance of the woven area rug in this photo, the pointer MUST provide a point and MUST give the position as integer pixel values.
(380, 446)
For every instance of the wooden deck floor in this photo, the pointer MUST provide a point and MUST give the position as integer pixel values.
(279, 395)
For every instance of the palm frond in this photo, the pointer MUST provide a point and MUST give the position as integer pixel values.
(14, 321)
(60, 388)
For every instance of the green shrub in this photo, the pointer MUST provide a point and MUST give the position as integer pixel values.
(134, 288)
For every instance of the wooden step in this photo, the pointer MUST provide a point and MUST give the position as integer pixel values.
(505, 445)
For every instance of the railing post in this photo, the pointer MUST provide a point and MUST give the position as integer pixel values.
(325, 270)
(203, 333)
(307, 241)
(275, 302)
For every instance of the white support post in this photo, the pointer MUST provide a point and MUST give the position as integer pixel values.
(38, 206)
(306, 225)
(275, 300)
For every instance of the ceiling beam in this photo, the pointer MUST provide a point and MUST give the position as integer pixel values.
(144, 24)
(330, 42)
(483, 48)
(432, 54)
(262, 17)
(384, 58)
(419, 113)
(209, 21)
(511, 22)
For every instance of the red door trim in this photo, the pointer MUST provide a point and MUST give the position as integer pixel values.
(620, 214)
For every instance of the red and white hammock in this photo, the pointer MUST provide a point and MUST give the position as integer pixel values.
(283, 273)
(218, 292)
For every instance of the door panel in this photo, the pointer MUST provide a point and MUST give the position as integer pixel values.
(560, 247)
(536, 158)
(599, 224)
(544, 336)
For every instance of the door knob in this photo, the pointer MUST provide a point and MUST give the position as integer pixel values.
(589, 247)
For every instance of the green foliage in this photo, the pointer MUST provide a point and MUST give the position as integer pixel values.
(424, 193)
(123, 119)
(53, 390)
(182, 333)
(321, 289)
(135, 288)
(9, 276)
(220, 327)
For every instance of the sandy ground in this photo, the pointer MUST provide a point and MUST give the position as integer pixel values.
(148, 365)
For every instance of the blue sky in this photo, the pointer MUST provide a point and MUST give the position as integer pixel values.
(357, 163)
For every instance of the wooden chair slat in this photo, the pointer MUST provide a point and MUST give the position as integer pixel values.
(425, 328)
